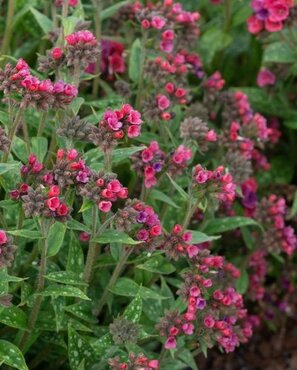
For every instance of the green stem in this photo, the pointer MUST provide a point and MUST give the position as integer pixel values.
(116, 273)
(12, 132)
(38, 298)
(42, 122)
(190, 211)
(8, 27)
(141, 78)
(108, 160)
(227, 14)
(97, 20)
(65, 7)
(162, 355)
(76, 74)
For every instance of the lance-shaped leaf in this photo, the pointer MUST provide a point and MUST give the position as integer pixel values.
(12, 356)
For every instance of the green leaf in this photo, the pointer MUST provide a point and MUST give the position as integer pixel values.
(79, 350)
(134, 310)
(14, 317)
(115, 250)
(114, 236)
(242, 283)
(65, 277)
(5, 167)
(82, 310)
(55, 238)
(119, 155)
(12, 356)
(129, 288)
(19, 149)
(188, 359)
(156, 194)
(103, 344)
(28, 234)
(158, 264)
(64, 291)
(76, 104)
(111, 10)
(135, 61)
(4, 118)
(178, 188)
(44, 22)
(278, 52)
(87, 204)
(199, 237)
(76, 225)
(75, 260)
(58, 304)
(293, 210)
(39, 147)
(221, 225)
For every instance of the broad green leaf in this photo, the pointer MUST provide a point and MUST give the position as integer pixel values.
(44, 22)
(87, 204)
(75, 260)
(55, 238)
(158, 264)
(119, 155)
(12, 356)
(75, 225)
(221, 225)
(65, 277)
(64, 291)
(293, 210)
(114, 236)
(115, 250)
(58, 304)
(8, 203)
(178, 188)
(135, 61)
(5, 167)
(14, 317)
(19, 149)
(69, 24)
(39, 147)
(28, 234)
(158, 195)
(242, 283)
(76, 104)
(134, 310)
(199, 237)
(128, 288)
(4, 118)
(79, 350)
(82, 310)
(188, 359)
(103, 344)
(278, 52)
(111, 10)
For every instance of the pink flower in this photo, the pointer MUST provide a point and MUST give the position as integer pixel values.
(188, 328)
(133, 131)
(254, 24)
(84, 237)
(209, 321)
(54, 191)
(104, 206)
(62, 210)
(147, 155)
(153, 364)
(168, 35)
(142, 235)
(278, 12)
(145, 24)
(170, 343)
(158, 22)
(265, 77)
(53, 203)
(134, 117)
(201, 177)
(56, 53)
(3, 237)
(163, 102)
(273, 26)
(211, 136)
(192, 250)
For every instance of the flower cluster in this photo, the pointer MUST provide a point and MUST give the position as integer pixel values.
(148, 163)
(42, 94)
(269, 15)
(141, 222)
(219, 311)
(7, 250)
(277, 237)
(213, 183)
(82, 48)
(45, 202)
(117, 124)
(134, 362)
(257, 274)
(178, 160)
(177, 243)
(103, 189)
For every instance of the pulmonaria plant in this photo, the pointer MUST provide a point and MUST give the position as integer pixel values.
(143, 156)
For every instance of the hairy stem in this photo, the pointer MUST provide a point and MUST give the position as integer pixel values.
(97, 21)
(42, 122)
(116, 273)
(8, 27)
(38, 299)
(12, 132)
